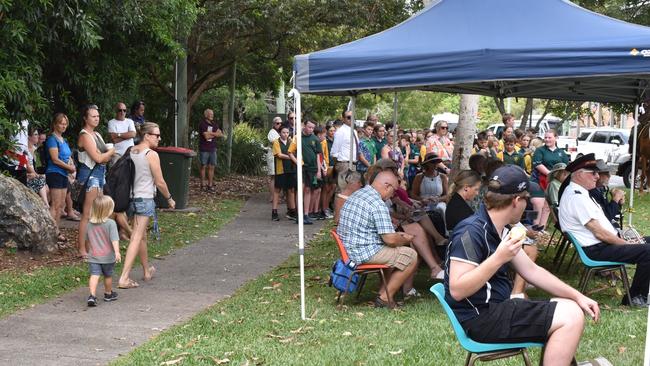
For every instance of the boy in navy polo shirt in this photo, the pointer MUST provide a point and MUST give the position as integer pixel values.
(477, 286)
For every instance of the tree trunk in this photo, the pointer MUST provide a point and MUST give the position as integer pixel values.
(464, 138)
(500, 103)
(528, 111)
(546, 107)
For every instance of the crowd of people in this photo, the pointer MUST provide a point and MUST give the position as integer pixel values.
(52, 165)
(398, 203)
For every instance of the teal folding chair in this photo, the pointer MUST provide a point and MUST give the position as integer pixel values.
(481, 351)
(592, 266)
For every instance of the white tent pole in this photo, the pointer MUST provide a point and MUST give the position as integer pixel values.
(353, 126)
(395, 142)
(633, 180)
(294, 93)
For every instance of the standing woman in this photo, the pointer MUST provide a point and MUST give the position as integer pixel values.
(545, 157)
(93, 156)
(148, 176)
(57, 168)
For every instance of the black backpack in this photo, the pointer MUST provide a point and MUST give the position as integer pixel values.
(119, 182)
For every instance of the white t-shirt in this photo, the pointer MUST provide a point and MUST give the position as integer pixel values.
(576, 210)
(117, 126)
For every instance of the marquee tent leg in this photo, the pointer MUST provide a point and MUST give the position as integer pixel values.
(294, 93)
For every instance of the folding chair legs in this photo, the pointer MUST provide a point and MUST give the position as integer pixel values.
(383, 280)
(626, 284)
(490, 356)
(588, 273)
(362, 282)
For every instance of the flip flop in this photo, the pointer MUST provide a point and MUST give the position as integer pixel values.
(152, 271)
(130, 284)
(73, 218)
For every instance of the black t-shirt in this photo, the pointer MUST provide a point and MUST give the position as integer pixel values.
(473, 241)
(457, 211)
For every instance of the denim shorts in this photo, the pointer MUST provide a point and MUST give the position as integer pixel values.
(142, 207)
(208, 158)
(98, 269)
(96, 180)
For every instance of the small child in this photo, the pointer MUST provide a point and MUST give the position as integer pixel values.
(102, 244)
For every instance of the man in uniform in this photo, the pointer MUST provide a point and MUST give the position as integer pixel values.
(585, 219)
(477, 285)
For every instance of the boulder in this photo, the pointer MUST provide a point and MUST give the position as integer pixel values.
(25, 221)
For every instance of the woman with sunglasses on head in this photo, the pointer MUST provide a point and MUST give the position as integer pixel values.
(148, 177)
(93, 156)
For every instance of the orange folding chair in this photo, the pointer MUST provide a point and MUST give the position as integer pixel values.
(362, 269)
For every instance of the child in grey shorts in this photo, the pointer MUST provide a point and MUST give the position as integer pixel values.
(103, 246)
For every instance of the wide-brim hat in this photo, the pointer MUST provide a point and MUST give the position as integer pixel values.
(602, 166)
(431, 158)
(587, 161)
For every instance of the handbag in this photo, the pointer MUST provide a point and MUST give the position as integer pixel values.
(78, 192)
(343, 277)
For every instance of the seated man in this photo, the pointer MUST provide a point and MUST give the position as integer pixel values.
(585, 219)
(477, 286)
(366, 229)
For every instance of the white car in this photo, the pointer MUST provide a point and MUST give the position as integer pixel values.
(606, 143)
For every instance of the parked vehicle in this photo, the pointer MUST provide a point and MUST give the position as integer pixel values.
(549, 122)
(605, 142)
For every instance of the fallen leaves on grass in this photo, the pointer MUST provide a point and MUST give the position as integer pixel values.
(172, 362)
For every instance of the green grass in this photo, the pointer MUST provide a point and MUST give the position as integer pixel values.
(260, 324)
(20, 290)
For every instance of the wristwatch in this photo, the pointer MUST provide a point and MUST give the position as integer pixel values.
(119, 135)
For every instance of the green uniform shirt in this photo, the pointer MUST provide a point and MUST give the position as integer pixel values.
(379, 144)
(310, 149)
(513, 159)
(549, 158)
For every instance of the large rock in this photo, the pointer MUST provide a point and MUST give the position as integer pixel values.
(25, 222)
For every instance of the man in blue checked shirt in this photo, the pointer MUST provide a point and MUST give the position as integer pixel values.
(366, 229)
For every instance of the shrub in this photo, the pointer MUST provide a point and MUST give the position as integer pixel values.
(248, 152)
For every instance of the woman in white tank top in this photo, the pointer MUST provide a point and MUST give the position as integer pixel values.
(148, 176)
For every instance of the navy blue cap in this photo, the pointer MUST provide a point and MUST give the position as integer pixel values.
(512, 179)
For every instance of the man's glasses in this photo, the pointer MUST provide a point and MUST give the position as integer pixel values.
(592, 172)
(121, 110)
(291, 117)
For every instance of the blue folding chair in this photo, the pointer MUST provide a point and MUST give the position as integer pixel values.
(481, 351)
(592, 266)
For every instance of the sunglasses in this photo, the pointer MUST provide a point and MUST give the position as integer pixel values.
(443, 127)
(291, 117)
(122, 110)
(277, 123)
(348, 117)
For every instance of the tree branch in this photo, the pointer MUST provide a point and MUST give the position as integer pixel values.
(158, 83)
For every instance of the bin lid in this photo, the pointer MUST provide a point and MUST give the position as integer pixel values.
(176, 150)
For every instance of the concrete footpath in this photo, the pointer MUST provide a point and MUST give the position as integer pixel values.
(65, 331)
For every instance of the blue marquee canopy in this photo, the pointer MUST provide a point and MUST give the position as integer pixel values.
(550, 49)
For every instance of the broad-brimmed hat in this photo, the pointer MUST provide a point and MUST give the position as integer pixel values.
(512, 179)
(556, 168)
(584, 162)
(431, 158)
(602, 166)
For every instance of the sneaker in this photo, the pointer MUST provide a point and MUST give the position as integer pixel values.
(320, 216)
(313, 216)
(306, 220)
(328, 213)
(412, 293)
(110, 297)
(274, 216)
(291, 215)
(638, 301)
(92, 301)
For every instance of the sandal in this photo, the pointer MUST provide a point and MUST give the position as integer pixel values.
(129, 284)
(73, 218)
(152, 271)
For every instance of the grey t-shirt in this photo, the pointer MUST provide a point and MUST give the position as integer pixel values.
(101, 238)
